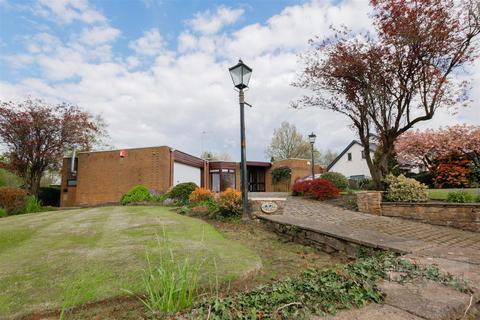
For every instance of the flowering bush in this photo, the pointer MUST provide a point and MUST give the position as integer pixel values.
(319, 189)
(230, 203)
(200, 194)
(404, 189)
(12, 199)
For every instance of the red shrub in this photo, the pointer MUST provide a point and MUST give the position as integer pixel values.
(300, 187)
(319, 189)
(12, 199)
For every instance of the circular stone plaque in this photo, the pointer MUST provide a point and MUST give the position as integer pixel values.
(269, 207)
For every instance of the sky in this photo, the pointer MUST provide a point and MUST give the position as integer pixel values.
(157, 70)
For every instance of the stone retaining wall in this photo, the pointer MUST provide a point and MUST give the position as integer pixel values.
(465, 216)
(314, 239)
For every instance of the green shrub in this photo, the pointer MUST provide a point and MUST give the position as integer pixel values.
(50, 196)
(136, 194)
(3, 213)
(281, 174)
(12, 200)
(366, 184)
(32, 205)
(477, 198)
(337, 179)
(403, 189)
(160, 197)
(459, 197)
(181, 192)
(8, 179)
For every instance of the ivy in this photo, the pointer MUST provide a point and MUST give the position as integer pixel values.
(281, 174)
(321, 292)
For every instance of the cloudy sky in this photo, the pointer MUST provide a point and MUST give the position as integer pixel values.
(156, 70)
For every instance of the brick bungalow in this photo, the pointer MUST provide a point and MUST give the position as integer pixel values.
(102, 177)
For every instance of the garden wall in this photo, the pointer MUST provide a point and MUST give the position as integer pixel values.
(465, 216)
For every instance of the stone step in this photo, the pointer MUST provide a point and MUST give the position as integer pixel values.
(372, 312)
(426, 299)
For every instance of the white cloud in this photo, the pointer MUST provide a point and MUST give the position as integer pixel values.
(175, 96)
(150, 44)
(208, 22)
(67, 11)
(98, 35)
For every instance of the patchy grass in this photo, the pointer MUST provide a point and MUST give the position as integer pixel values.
(101, 251)
(441, 194)
(280, 259)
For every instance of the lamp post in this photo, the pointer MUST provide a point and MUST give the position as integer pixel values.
(241, 74)
(311, 138)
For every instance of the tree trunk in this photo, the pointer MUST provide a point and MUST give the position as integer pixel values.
(34, 184)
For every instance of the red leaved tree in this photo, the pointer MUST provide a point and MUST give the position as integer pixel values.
(36, 135)
(450, 153)
(388, 82)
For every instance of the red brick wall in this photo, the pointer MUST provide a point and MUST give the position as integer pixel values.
(300, 169)
(102, 177)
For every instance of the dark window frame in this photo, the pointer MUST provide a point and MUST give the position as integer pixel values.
(349, 156)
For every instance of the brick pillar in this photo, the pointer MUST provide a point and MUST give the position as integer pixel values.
(370, 202)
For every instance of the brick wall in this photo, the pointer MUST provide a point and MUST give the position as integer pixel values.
(300, 168)
(102, 177)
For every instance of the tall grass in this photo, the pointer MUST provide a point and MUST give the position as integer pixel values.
(170, 286)
(33, 205)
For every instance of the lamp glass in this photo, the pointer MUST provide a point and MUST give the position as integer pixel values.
(311, 137)
(240, 74)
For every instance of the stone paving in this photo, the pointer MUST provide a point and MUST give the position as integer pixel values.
(454, 251)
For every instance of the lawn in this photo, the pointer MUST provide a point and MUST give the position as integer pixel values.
(441, 194)
(99, 252)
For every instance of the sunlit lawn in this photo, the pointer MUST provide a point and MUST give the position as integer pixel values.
(441, 194)
(102, 251)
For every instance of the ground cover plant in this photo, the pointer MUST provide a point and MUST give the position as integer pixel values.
(103, 250)
(322, 291)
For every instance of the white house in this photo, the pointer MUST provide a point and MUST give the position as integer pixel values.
(351, 161)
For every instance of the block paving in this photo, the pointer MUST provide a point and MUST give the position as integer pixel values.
(453, 251)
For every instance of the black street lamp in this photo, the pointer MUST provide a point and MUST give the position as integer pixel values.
(241, 74)
(311, 138)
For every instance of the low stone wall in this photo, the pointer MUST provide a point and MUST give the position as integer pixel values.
(369, 202)
(463, 216)
(314, 239)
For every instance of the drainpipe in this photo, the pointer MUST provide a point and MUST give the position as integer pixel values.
(72, 162)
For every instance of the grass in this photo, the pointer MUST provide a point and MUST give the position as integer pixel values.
(56, 260)
(441, 194)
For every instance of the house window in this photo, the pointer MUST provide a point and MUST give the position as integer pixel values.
(349, 155)
(220, 180)
(363, 154)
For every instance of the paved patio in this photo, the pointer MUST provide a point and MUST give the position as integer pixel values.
(452, 250)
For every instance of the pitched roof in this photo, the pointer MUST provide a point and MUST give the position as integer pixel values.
(373, 147)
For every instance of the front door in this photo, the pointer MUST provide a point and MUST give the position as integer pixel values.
(256, 179)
